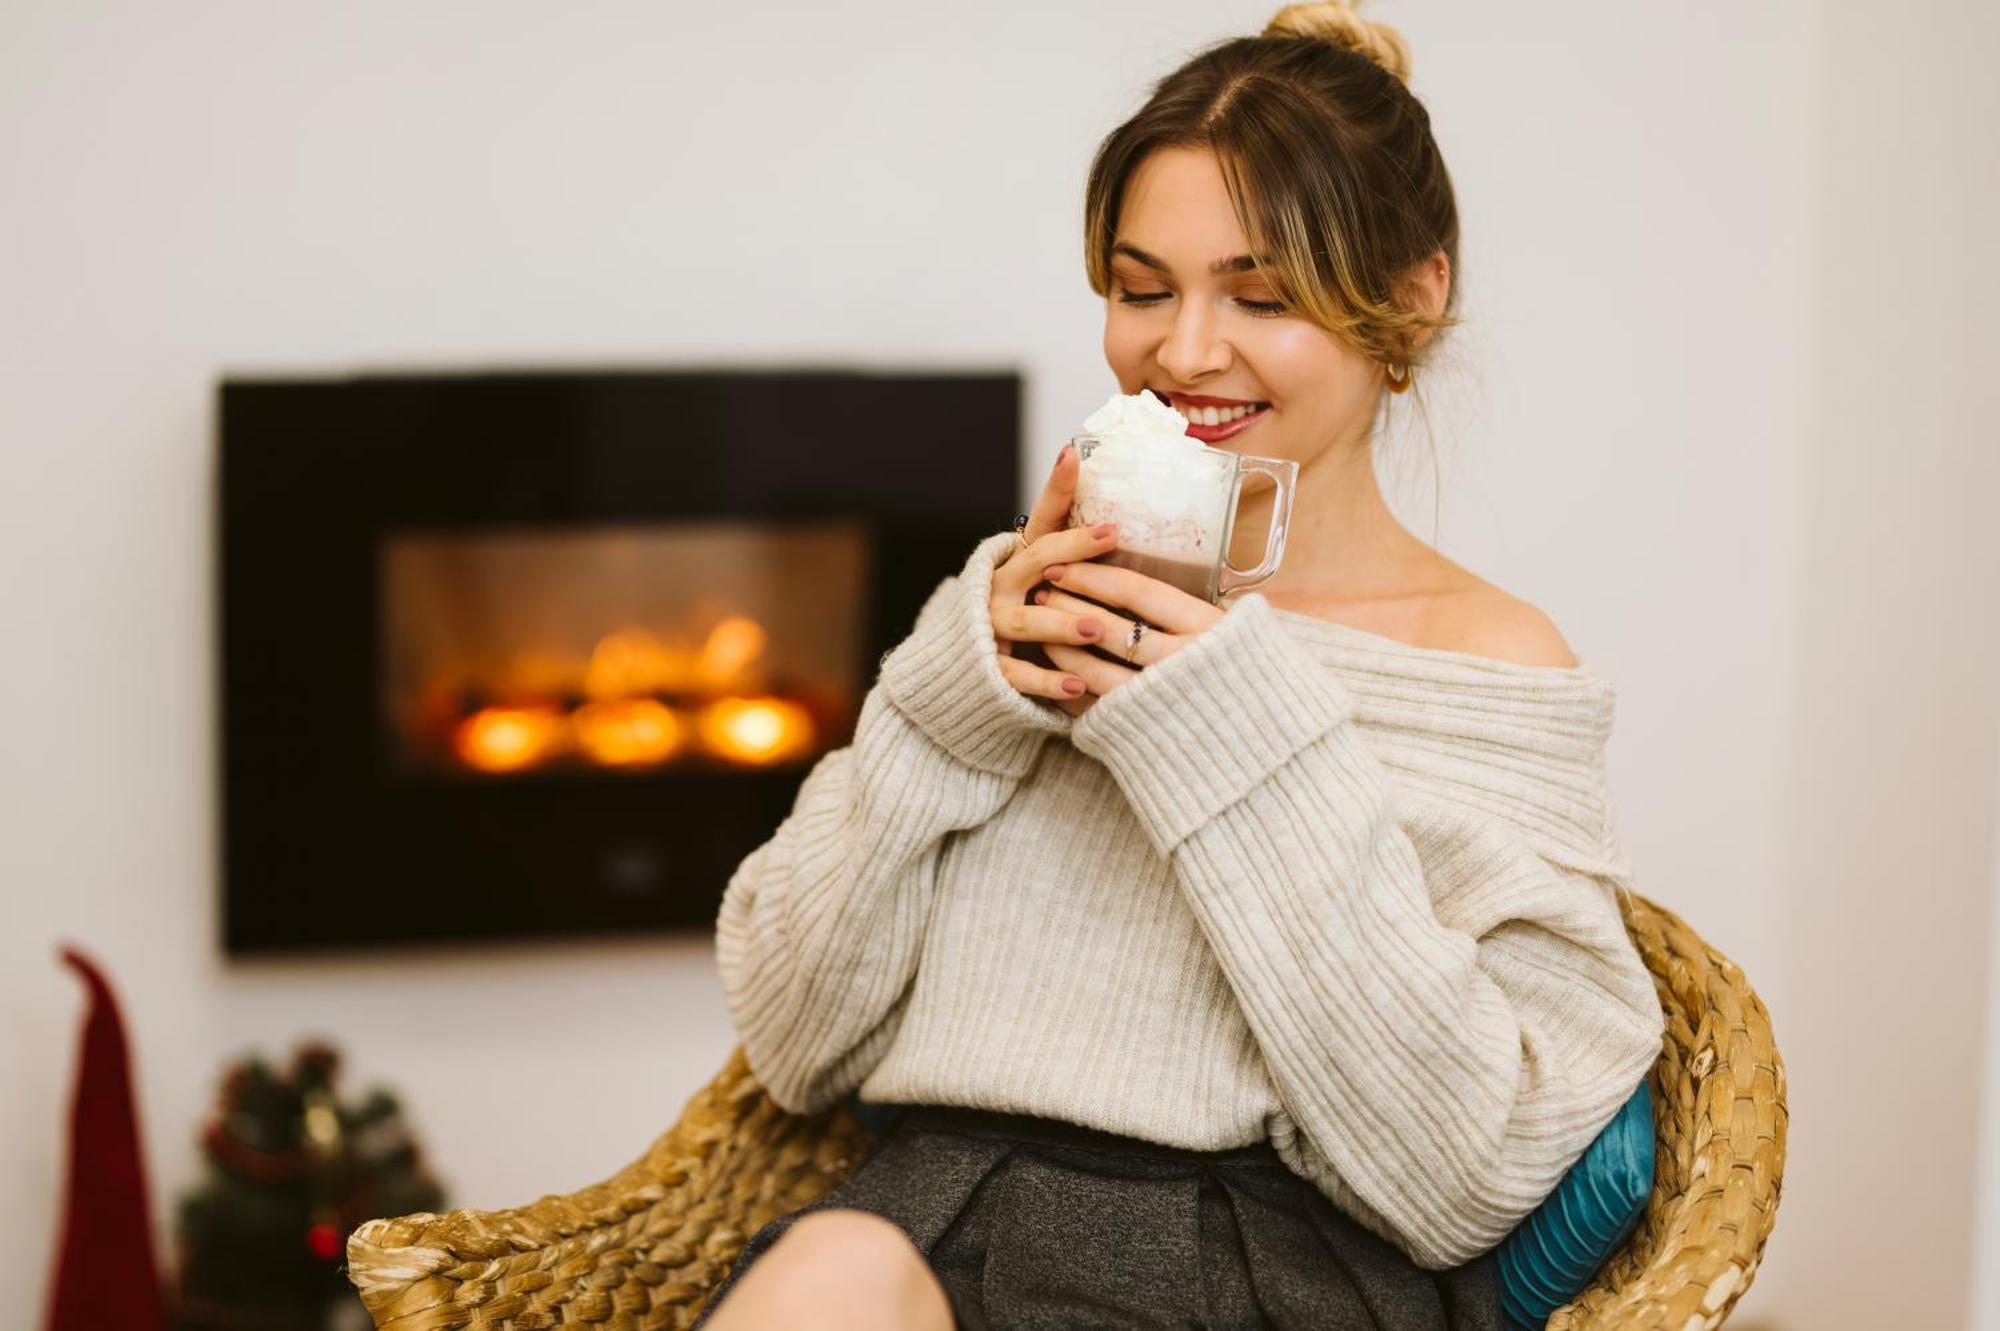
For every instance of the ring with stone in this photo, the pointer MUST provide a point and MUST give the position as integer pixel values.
(1139, 627)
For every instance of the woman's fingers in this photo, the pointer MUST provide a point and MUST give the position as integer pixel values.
(1047, 540)
(1037, 623)
(1134, 595)
(1030, 564)
(1015, 621)
(1099, 675)
(1115, 629)
(1036, 682)
(1051, 510)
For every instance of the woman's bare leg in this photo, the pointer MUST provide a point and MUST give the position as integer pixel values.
(833, 1270)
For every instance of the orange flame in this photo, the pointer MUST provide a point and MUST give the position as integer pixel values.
(632, 662)
(624, 723)
(631, 732)
(732, 644)
(506, 739)
(758, 731)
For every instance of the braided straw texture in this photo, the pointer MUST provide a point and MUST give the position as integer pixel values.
(1719, 1123)
(638, 1252)
(642, 1250)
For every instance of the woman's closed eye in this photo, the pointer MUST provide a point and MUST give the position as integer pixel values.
(1262, 308)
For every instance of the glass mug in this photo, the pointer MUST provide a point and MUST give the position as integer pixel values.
(1204, 573)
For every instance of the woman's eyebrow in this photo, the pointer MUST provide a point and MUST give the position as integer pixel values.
(1241, 263)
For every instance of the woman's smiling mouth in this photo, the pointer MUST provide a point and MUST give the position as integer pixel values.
(1213, 419)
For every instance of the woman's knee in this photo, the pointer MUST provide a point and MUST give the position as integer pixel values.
(858, 1260)
(844, 1239)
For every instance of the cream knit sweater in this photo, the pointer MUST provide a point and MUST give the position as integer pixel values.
(1296, 881)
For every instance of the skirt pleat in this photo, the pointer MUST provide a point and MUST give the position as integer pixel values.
(1033, 1224)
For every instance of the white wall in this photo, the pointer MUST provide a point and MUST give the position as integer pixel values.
(1666, 424)
(1891, 779)
(1986, 1178)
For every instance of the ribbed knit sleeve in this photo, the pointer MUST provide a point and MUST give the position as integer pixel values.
(1449, 1017)
(819, 930)
(945, 677)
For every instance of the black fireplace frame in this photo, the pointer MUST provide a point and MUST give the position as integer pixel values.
(320, 850)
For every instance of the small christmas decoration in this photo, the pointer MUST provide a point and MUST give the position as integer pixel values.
(291, 1173)
(105, 1274)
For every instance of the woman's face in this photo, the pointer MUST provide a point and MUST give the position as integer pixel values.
(1189, 318)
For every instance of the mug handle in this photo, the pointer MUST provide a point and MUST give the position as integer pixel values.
(1285, 473)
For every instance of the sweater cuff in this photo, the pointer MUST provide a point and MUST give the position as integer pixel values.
(945, 677)
(1193, 733)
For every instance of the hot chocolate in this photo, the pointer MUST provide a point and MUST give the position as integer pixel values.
(1166, 490)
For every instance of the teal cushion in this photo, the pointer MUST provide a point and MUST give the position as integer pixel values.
(1555, 1252)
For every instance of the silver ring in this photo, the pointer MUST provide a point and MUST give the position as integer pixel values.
(1139, 627)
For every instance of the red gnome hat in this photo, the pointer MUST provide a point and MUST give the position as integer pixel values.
(105, 1272)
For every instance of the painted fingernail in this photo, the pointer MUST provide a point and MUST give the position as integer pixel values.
(1090, 628)
(1042, 597)
(1103, 529)
(1066, 450)
(1054, 572)
(1072, 686)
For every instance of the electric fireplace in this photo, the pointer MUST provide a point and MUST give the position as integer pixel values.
(546, 654)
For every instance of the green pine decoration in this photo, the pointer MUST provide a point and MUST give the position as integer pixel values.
(291, 1172)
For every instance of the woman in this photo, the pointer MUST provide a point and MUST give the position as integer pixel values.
(1292, 978)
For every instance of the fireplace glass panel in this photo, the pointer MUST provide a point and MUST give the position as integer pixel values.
(620, 648)
(602, 558)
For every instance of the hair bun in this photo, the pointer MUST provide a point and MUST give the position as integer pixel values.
(1337, 22)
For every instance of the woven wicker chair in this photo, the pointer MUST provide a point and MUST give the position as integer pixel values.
(642, 1250)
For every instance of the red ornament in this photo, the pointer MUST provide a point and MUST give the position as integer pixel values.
(324, 1240)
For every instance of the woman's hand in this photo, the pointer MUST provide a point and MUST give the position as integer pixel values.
(1022, 630)
(1173, 619)
(1031, 617)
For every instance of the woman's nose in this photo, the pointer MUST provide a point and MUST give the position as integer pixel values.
(1192, 351)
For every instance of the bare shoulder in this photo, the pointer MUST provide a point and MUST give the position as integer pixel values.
(1483, 620)
(1438, 604)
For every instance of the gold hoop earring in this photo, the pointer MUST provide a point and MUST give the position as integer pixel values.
(1401, 385)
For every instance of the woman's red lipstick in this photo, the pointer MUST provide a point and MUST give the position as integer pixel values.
(1190, 404)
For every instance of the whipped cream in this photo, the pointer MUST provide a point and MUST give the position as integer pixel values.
(1167, 491)
(1136, 418)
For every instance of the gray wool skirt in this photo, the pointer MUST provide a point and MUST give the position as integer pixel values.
(1034, 1223)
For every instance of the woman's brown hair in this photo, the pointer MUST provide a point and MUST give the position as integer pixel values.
(1329, 161)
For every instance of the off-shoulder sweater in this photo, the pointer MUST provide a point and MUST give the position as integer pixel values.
(1296, 882)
